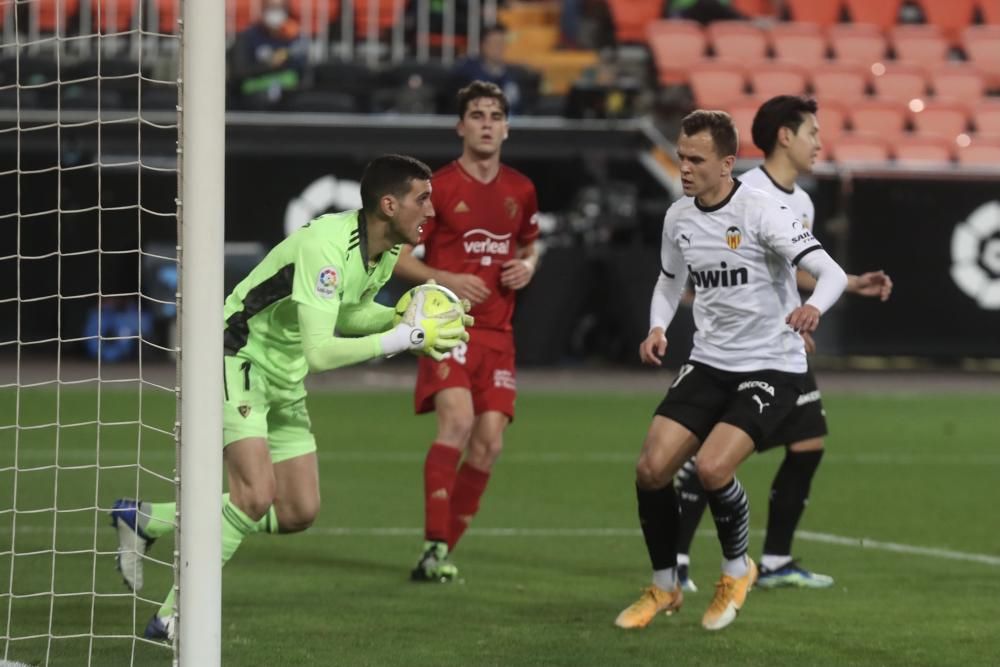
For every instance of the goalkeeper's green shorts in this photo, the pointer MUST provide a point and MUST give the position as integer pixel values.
(257, 408)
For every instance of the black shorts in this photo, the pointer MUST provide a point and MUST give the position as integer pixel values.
(757, 402)
(807, 421)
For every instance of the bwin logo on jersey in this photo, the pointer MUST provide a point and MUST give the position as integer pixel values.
(716, 278)
(733, 237)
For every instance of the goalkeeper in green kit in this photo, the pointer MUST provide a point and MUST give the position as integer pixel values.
(307, 307)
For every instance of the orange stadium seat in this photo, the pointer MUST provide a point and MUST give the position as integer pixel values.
(855, 147)
(840, 81)
(941, 118)
(743, 113)
(923, 150)
(632, 16)
(52, 14)
(738, 40)
(676, 46)
(885, 119)
(112, 15)
(882, 13)
(800, 43)
(990, 10)
(958, 81)
(982, 152)
(821, 12)
(754, 8)
(385, 17)
(167, 14)
(951, 16)
(980, 44)
(772, 78)
(831, 117)
(241, 13)
(717, 83)
(533, 39)
(919, 44)
(986, 117)
(900, 82)
(858, 43)
(314, 23)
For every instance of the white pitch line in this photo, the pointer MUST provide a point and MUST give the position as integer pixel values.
(409, 531)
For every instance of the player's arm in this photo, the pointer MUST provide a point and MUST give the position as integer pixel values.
(518, 272)
(465, 285)
(666, 298)
(871, 284)
(365, 318)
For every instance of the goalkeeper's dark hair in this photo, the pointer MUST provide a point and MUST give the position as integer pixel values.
(719, 124)
(778, 112)
(478, 89)
(390, 175)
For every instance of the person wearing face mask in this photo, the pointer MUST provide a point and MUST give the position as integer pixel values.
(268, 61)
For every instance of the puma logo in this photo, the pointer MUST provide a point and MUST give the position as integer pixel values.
(761, 403)
(686, 237)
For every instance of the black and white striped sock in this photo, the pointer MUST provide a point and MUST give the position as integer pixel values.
(731, 511)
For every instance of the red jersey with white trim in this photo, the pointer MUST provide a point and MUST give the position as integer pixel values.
(477, 227)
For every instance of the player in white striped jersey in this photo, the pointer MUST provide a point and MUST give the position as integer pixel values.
(786, 129)
(748, 366)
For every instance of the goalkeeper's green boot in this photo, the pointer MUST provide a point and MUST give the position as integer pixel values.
(434, 564)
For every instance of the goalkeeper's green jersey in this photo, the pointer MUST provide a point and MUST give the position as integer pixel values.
(323, 265)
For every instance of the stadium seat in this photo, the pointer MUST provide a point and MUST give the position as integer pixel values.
(51, 13)
(821, 12)
(314, 23)
(240, 14)
(738, 40)
(754, 8)
(886, 119)
(112, 15)
(980, 44)
(950, 16)
(831, 117)
(882, 13)
(386, 15)
(676, 46)
(715, 84)
(941, 118)
(913, 150)
(167, 14)
(631, 17)
(743, 112)
(981, 152)
(986, 116)
(844, 82)
(772, 78)
(990, 11)
(534, 39)
(900, 82)
(520, 14)
(861, 43)
(800, 43)
(861, 148)
(561, 69)
(958, 81)
(919, 44)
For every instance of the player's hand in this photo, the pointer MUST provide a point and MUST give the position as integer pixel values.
(467, 286)
(652, 349)
(873, 283)
(418, 332)
(805, 318)
(516, 273)
(810, 343)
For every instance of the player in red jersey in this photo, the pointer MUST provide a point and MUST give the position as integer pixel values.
(481, 245)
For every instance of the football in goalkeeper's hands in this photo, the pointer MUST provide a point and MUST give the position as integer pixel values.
(437, 301)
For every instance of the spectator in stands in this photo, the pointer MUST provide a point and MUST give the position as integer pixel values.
(570, 14)
(268, 60)
(490, 66)
(704, 11)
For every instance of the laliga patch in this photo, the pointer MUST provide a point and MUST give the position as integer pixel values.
(327, 281)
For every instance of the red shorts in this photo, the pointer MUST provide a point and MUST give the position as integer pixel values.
(486, 371)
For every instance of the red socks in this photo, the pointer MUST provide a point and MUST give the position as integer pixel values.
(439, 478)
(469, 487)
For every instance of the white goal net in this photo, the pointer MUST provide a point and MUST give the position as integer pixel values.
(88, 274)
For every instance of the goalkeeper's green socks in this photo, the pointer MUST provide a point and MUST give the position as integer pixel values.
(157, 519)
(236, 525)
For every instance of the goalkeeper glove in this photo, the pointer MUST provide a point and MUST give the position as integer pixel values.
(467, 320)
(433, 335)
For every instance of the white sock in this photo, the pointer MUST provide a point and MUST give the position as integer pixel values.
(683, 559)
(736, 568)
(772, 562)
(665, 580)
